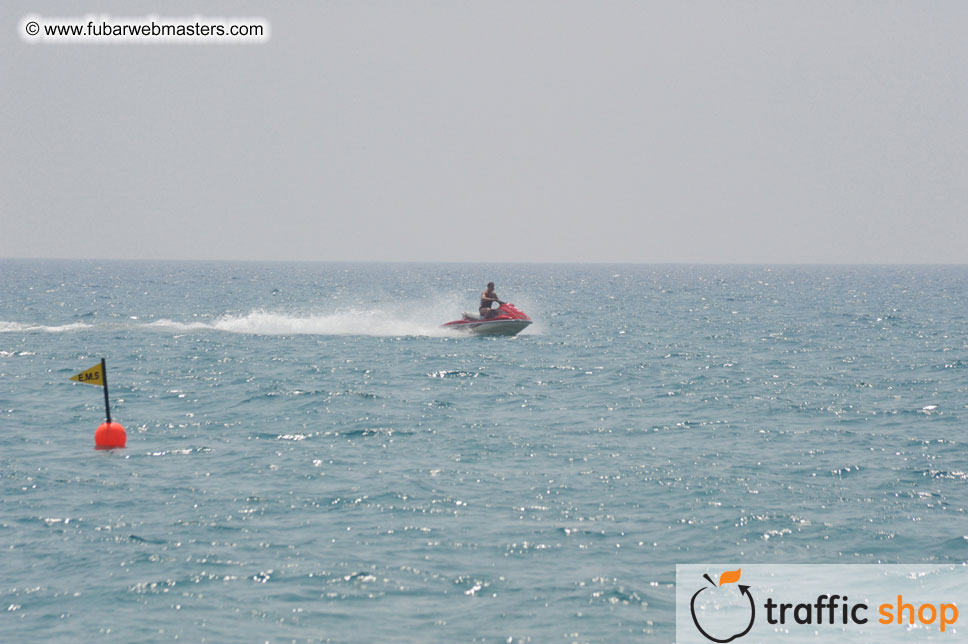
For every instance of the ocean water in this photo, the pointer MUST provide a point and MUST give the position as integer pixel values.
(311, 458)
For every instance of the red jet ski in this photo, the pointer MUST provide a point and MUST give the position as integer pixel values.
(507, 320)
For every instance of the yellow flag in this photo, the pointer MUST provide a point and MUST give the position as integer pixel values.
(92, 376)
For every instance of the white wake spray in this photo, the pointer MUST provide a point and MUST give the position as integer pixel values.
(20, 327)
(352, 322)
(383, 320)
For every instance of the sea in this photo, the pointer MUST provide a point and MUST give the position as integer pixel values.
(311, 458)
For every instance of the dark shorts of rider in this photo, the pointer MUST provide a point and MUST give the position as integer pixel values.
(486, 311)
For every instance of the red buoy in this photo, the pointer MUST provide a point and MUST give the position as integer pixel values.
(109, 435)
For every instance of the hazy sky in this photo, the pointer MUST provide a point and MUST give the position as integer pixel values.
(594, 131)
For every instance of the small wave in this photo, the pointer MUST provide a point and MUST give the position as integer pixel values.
(20, 327)
(133, 538)
(455, 373)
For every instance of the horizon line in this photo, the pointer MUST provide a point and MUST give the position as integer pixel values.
(454, 262)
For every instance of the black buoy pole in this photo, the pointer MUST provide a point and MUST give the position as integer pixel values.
(104, 379)
(109, 435)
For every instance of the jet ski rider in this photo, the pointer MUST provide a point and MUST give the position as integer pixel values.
(488, 298)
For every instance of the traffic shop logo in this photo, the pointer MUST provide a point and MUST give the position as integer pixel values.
(719, 632)
(726, 610)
